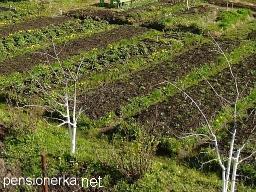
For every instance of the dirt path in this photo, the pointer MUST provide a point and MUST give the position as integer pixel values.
(110, 97)
(177, 115)
(26, 62)
(37, 23)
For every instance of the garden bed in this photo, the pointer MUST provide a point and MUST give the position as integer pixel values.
(178, 115)
(111, 97)
(113, 17)
(25, 62)
(37, 23)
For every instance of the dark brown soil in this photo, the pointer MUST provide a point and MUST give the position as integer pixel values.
(25, 62)
(111, 96)
(37, 23)
(245, 127)
(223, 3)
(119, 17)
(252, 35)
(3, 132)
(113, 17)
(178, 115)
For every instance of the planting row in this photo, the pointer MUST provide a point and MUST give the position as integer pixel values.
(169, 47)
(32, 24)
(27, 61)
(18, 13)
(26, 41)
(178, 115)
(203, 20)
(138, 104)
(112, 96)
(96, 60)
(147, 13)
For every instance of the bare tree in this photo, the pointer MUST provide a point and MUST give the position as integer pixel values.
(230, 162)
(62, 99)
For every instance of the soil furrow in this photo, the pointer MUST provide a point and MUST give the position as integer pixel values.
(25, 62)
(178, 115)
(110, 97)
(37, 23)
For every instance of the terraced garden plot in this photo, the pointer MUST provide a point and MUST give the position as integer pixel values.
(26, 62)
(177, 116)
(125, 79)
(24, 42)
(111, 97)
(37, 23)
(136, 16)
(116, 56)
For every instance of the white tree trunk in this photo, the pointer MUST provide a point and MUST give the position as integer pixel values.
(230, 157)
(188, 5)
(73, 140)
(234, 173)
(224, 181)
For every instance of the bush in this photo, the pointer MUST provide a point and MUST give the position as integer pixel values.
(21, 122)
(133, 159)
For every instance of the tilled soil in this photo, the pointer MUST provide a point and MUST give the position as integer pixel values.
(113, 17)
(26, 62)
(119, 17)
(3, 131)
(110, 97)
(37, 23)
(178, 115)
(245, 129)
(223, 3)
(252, 35)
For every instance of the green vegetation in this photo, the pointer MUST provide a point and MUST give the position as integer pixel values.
(134, 64)
(27, 41)
(229, 18)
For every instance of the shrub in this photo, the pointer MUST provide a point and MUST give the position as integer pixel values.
(133, 159)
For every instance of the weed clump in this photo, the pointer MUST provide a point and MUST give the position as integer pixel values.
(229, 18)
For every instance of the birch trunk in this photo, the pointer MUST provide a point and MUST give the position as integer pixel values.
(224, 189)
(73, 140)
(230, 157)
(234, 173)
